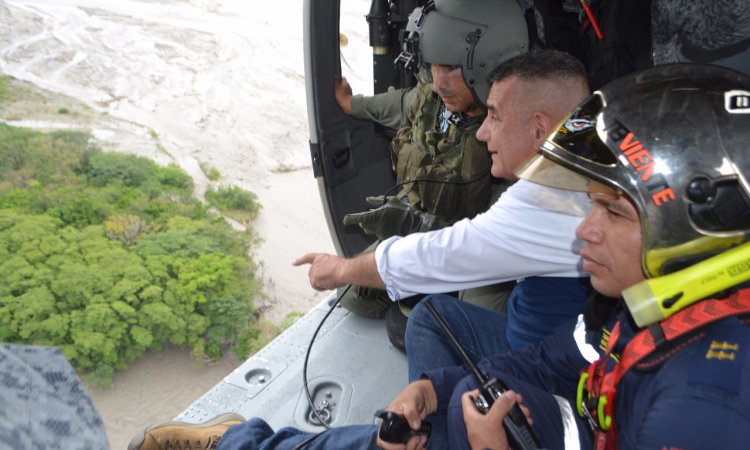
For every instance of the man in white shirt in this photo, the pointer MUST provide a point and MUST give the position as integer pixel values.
(529, 232)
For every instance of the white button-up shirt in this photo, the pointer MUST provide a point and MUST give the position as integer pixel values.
(529, 231)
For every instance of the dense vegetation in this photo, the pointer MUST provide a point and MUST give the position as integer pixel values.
(107, 255)
(235, 202)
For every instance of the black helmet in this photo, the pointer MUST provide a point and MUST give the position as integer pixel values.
(476, 35)
(676, 140)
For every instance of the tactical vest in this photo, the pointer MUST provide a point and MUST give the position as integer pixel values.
(420, 152)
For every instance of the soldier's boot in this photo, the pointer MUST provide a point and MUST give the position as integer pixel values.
(176, 435)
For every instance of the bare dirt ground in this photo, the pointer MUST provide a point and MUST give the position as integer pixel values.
(218, 82)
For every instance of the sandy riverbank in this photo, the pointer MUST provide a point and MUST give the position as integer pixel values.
(219, 82)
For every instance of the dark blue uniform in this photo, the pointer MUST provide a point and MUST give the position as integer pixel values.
(699, 398)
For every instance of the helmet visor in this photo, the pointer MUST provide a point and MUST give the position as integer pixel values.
(444, 80)
(542, 170)
(577, 135)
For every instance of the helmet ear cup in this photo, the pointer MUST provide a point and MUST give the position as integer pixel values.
(700, 190)
(722, 206)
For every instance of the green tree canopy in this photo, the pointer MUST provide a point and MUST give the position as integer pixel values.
(107, 255)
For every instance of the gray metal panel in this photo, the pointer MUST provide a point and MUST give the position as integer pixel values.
(352, 365)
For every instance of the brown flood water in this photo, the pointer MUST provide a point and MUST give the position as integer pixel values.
(189, 82)
(155, 388)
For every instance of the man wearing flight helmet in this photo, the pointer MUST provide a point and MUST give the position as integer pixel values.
(450, 46)
(663, 156)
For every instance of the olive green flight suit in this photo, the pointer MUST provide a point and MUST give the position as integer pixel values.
(420, 151)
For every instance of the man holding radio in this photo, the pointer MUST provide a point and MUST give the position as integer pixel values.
(662, 154)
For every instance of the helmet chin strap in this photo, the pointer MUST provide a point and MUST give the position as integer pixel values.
(474, 106)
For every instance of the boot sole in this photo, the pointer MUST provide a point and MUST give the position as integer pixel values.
(137, 441)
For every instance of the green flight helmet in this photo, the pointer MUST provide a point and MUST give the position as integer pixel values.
(475, 35)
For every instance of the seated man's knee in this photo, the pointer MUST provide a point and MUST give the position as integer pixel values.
(365, 302)
(421, 318)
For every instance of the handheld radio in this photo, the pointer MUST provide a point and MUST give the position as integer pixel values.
(396, 429)
(517, 428)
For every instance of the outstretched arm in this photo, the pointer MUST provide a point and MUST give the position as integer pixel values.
(331, 272)
(493, 247)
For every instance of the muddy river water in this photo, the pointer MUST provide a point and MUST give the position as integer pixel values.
(218, 82)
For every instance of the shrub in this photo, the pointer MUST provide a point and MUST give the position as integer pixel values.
(127, 228)
(29, 155)
(72, 138)
(235, 202)
(255, 338)
(173, 176)
(212, 173)
(107, 255)
(106, 168)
